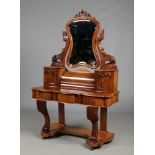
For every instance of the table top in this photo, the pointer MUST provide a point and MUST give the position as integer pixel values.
(93, 93)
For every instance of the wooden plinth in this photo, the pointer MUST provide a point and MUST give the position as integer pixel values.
(58, 129)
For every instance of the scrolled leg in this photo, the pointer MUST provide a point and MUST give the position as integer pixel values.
(92, 115)
(41, 106)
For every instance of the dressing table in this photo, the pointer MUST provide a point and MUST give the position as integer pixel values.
(83, 73)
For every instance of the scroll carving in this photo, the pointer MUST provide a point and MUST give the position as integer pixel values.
(105, 75)
(108, 61)
(57, 60)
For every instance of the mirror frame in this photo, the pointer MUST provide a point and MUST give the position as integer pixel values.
(82, 16)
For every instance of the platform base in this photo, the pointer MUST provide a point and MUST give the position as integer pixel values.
(60, 129)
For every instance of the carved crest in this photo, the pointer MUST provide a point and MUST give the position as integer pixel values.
(82, 13)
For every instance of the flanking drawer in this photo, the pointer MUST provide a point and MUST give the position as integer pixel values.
(106, 80)
(50, 76)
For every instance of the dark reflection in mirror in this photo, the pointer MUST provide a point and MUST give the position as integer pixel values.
(82, 34)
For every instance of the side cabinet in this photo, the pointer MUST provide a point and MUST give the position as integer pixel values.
(52, 75)
(106, 80)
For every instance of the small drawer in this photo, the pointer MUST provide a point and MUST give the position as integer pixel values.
(104, 80)
(50, 76)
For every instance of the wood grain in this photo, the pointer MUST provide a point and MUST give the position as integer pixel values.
(61, 112)
(103, 119)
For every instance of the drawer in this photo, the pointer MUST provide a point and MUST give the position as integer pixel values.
(45, 95)
(95, 101)
(50, 76)
(104, 80)
(69, 98)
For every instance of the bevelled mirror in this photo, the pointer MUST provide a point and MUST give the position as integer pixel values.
(82, 34)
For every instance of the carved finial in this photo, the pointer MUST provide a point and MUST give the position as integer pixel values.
(82, 13)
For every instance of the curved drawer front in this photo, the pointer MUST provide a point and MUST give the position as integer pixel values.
(77, 80)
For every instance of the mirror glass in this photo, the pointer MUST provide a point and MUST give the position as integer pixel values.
(82, 34)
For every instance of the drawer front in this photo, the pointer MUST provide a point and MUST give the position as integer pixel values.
(112, 100)
(69, 98)
(45, 95)
(95, 101)
(104, 81)
(50, 76)
(79, 99)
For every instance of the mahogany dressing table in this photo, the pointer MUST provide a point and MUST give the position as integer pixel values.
(83, 73)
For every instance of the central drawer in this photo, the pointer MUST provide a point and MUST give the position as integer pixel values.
(80, 99)
(69, 98)
(75, 80)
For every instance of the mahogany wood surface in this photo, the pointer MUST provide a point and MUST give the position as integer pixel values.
(41, 105)
(61, 112)
(95, 86)
(103, 119)
(92, 115)
(59, 129)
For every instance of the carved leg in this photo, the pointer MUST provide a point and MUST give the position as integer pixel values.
(41, 105)
(92, 115)
(61, 111)
(103, 119)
